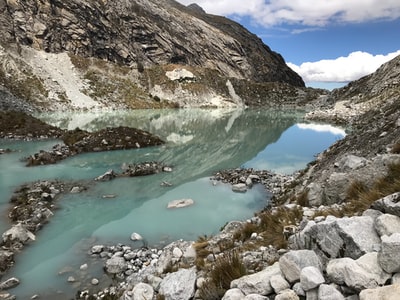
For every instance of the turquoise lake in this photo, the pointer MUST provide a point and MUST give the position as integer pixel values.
(199, 142)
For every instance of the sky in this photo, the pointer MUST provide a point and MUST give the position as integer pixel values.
(327, 42)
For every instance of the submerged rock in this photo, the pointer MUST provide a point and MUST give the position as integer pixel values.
(180, 203)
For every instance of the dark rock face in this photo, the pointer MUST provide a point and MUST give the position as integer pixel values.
(143, 33)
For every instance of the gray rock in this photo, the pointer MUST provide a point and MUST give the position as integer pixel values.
(389, 255)
(312, 294)
(279, 283)
(332, 238)
(18, 233)
(142, 291)
(328, 292)
(390, 292)
(180, 203)
(396, 278)
(298, 289)
(97, 249)
(9, 283)
(389, 204)
(239, 188)
(293, 262)
(357, 274)
(136, 237)
(257, 283)
(315, 194)
(233, 294)
(287, 295)
(116, 265)
(107, 176)
(180, 74)
(310, 278)
(387, 224)
(350, 162)
(179, 285)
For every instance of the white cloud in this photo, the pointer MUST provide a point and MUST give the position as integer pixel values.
(305, 12)
(322, 128)
(342, 69)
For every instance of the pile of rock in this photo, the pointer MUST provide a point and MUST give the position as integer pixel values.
(335, 258)
(243, 179)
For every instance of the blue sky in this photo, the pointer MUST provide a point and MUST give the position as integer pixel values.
(328, 42)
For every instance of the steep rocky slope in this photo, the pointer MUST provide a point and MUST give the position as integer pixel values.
(116, 53)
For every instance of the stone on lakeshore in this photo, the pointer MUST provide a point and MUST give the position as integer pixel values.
(9, 283)
(94, 281)
(179, 285)
(142, 291)
(257, 283)
(18, 233)
(279, 283)
(97, 249)
(328, 292)
(83, 267)
(116, 265)
(293, 262)
(180, 203)
(389, 254)
(390, 292)
(233, 294)
(387, 224)
(136, 237)
(310, 278)
(239, 188)
(389, 204)
(359, 274)
(298, 289)
(75, 190)
(107, 176)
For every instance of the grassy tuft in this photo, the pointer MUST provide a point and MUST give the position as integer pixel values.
(226, 268)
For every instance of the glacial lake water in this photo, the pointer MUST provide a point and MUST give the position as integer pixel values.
(198, 143)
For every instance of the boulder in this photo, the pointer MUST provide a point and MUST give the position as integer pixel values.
(279, 283)
(179, 285)
(116, 265)
(328, 292)
(287, 295)
(390, 292)
(233, 294)
(357, 274)
(18, 233)
(9, 283)
(387, 224)
(334, 237)
(257, 283)
(350, 162)
(239, 188)
(293, 262)
(136, 237)
(255, 297)
(389, 254)
(389, 204)
(180, 203)
(143, 291)
(310, 278)
(180, 75)
(107, 176)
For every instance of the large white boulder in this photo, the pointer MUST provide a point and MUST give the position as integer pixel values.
(293, 262)
(179, 285)
(257, 283)
(389, 254)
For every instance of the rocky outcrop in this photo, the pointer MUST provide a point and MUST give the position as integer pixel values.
(143, 33)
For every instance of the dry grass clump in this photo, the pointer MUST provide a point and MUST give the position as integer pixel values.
(200, 246)
(226, 268)
(361, 197)
(273, 224)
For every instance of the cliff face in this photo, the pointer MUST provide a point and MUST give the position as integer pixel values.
(143, 33)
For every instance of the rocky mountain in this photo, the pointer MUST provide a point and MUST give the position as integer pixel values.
(133, 43)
